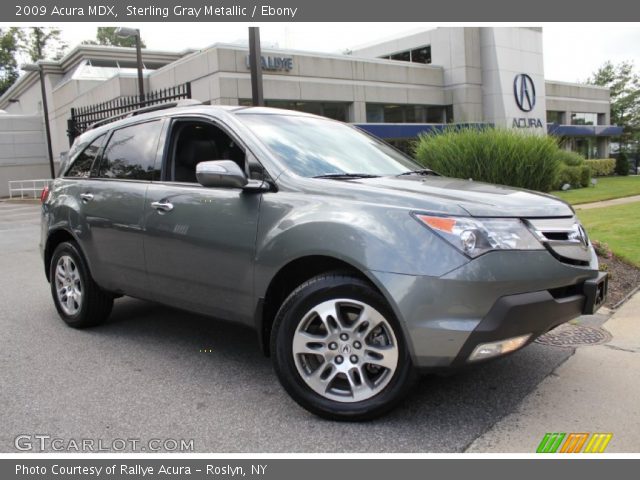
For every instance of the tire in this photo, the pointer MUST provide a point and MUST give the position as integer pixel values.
(365, 335)
(79, 300)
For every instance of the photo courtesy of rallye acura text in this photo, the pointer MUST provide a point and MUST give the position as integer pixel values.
(356, 266)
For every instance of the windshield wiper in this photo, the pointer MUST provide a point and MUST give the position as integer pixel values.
(422, 171)
(346, 175)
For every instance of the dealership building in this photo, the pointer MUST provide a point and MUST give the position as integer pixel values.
(396, 88)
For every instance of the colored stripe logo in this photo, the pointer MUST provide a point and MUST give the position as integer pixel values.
(574, 443)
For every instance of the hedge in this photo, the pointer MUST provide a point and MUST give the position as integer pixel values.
(601, 167)
(493, 155)
(578, 176)
(573, 170)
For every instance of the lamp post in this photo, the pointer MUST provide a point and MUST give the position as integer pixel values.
(31, 67)
(126, 32)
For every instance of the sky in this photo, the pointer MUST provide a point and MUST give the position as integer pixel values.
(572, 51)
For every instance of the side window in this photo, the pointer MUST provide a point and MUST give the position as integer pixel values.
(81, 166)
(131, 152)
(195, 142)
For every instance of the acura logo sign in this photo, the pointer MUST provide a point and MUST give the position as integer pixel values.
(524, 92)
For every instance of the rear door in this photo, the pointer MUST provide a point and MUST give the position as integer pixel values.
(113, 206)
(200, 242)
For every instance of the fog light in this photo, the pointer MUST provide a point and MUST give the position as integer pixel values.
(493, 349)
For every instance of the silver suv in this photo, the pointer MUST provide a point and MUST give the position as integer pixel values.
(354, 265)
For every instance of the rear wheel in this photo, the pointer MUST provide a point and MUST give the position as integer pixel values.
(338, 349)
(79, 300)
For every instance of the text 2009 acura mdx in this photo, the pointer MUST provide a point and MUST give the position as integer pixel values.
(353, 264)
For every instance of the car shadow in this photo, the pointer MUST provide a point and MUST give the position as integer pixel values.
(441, 414)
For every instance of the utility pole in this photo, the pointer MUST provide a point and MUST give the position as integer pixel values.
(255, 64)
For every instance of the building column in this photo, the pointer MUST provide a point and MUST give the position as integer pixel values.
(358, 112)
(603, 147)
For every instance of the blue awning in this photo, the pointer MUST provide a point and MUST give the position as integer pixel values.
(583, 130)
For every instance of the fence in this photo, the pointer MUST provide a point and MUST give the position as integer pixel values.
(83, 117)
(33, 188)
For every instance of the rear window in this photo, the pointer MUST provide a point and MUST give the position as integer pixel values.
(81, 166)
(131, 153)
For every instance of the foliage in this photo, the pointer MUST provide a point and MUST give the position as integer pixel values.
(624, 84)
(622, 164)
(107, 36)
(602, 249)
(573, 170)
(601, 167)
(43, 43)
(9, 47)
(578, 176)
(492, 155)
(572, 159)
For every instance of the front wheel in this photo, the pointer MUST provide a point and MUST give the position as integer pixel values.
(339, 350)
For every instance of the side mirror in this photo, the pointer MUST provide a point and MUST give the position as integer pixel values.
(221, 174)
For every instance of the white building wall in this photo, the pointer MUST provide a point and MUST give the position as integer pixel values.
(23, 151)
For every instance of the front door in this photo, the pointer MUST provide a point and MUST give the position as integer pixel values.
(200, 242)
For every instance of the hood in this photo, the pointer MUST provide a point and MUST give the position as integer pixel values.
(454, 196)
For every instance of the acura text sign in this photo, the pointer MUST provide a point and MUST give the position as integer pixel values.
(524, 93)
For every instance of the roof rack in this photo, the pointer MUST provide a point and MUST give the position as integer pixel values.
(138, 111)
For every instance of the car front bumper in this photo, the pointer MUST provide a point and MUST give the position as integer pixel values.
(498, 296)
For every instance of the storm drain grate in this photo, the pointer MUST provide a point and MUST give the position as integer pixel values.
(568, 335)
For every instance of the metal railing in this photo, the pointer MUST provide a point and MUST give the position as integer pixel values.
(83, 117)
(27, 189)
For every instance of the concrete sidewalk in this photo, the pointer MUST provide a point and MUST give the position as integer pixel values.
(595, 390)
(607, 203)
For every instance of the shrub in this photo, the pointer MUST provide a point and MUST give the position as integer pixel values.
(573, 169)
(502, 156)
(622, 164)
(577, 177)
(572, 159)
(601, 167)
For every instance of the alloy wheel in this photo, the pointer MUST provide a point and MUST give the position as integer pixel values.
(68, 285)
(345, 350)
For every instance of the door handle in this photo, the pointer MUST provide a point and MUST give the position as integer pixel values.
(86, 197)
(162, 206)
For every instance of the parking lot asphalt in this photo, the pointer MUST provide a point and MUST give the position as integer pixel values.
(144, 375)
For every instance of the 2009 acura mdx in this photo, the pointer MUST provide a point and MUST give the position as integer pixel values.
(354, 264)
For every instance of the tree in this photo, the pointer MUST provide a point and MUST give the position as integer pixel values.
(9, 47)
(107, 36)
(43, 43)
(624, 84)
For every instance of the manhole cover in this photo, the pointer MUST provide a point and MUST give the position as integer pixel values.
(568, 335)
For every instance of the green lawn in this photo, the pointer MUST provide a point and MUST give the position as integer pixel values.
(606, 189)
(618, 226)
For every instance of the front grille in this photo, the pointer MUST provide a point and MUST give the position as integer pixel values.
(564, 238)
(559, 236)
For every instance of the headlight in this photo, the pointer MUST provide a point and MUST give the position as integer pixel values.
(475, 236)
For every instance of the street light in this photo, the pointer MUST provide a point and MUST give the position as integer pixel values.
(126, 32)
(37, 67)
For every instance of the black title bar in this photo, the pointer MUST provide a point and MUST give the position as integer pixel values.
(35, 11)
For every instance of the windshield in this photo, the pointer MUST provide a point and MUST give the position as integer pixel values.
(313, 147)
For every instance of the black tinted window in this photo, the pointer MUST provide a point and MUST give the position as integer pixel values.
(131, 152)
(81, 166)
